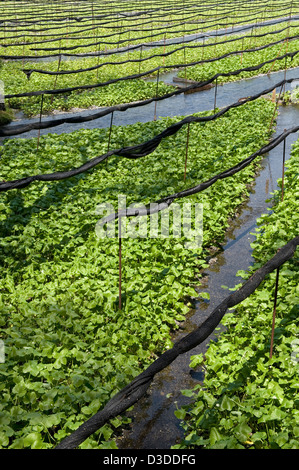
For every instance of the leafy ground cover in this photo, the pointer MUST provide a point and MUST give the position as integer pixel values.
(133, 90)
(248, 400)
(247, 59)
(162, 24)
(68, 348)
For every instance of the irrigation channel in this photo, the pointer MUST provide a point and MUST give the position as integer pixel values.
(154, 425)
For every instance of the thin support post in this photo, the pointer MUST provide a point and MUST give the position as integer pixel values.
(119, 263)
(274, 313)
(242, 50)
(215, 94)
(275, 109)
(283, 164)
(109, 137)
(55, 81)
(270, 70)
(285, 65)
(23, 51)
(110, 130)
(155, 114)
(129, 45)
(187, 146)
(140, 58)
(98, 54)
(40, 119)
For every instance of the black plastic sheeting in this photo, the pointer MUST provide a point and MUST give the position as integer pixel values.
(130, 394)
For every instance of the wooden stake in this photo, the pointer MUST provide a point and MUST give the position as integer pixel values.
(285, 66)
(155, 114)
(129, 45)
(140, 58)
(109, 137)
(215, 94)
(23, 51)
(270, 70)
(99, 51)
(55, 81)
(276, 106)
(187, 145)
(242, 50)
